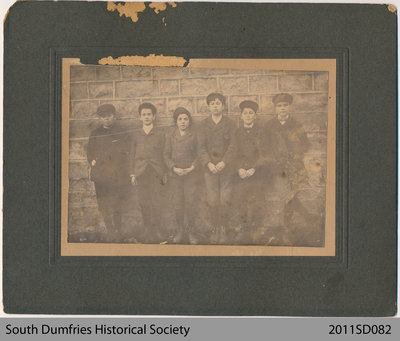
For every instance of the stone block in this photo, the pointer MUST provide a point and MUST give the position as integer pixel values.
(164, 121)
(204, 72)
(202, 107)
(125, 108)
(82, 73)
(295, 82)
(169, 87)
(81, 185)
(247, 72)
(263, 83)
(175, 102)
(129, 124)
(266, 105)
(78, 150)
(84, 109)
(170, 72)
(198, 86)
(101, 90)
(82, 128)
(106, 73)
(234, 102)
(312, 122)
(309, 102)
(234, 85)
(136, 88)
(135, 72)
(79, 91)
(321, 80)
(82, 199)
(159, 103)
(78, 170)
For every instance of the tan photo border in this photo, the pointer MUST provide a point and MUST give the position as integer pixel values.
(110, 249)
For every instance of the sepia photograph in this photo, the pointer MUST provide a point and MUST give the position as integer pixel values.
(219, 157)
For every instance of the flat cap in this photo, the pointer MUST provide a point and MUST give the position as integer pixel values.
(248, 104)
(105, 109)
(282, 98)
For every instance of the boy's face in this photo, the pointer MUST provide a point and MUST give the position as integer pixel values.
(107, 120)
(216, 106)
(282, 110)
(146, 116)
(183, 121)
(248, 116)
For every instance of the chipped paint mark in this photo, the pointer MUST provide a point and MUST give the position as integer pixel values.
(161, 6)
(392, 8)
(132, 9)
(129, 9)
(150, 60)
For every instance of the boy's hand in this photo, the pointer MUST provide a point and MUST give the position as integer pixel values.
(250, 172)
(179, 171)
(212, 168)
(188, 170)
(220, 166)
(93, 163)
(242, 173)
(133, 180)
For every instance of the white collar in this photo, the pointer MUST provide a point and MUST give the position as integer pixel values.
(216, 120)
(248, 126)
(147, 129)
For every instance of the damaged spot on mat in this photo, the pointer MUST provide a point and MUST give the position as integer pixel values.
(150, 60)
(392, 8)
(129, 9)
(132, 9)
(161, 6)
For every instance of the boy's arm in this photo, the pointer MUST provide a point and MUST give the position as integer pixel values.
(229, 155)
(196, 162)
(304, 142)
(167, 154)
(203, 156)
(91, 150)
(132, 151)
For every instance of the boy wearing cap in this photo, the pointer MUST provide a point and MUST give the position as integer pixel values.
(249, 171)
(147, 170)
(180, 156)
(288, 142)
(216, 153)
(107, 152)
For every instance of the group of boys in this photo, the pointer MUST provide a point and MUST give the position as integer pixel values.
(235, 162)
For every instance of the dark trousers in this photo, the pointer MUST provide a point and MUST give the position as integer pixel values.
(219, 198)
(150, 188)
(250, 201)
(110, 200)
(183, 195)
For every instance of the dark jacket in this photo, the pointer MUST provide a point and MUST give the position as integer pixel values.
(109, 147)
(180, 151)
(216, 141)
(287, 143)
(147, 150)
(248, 146)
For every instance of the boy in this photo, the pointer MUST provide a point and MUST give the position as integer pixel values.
(107, 156)
(215, 136)
(248, 166)
(147, 170)
(288, 142)
(180, 156)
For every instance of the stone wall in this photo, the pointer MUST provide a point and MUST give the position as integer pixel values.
(167, 88)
